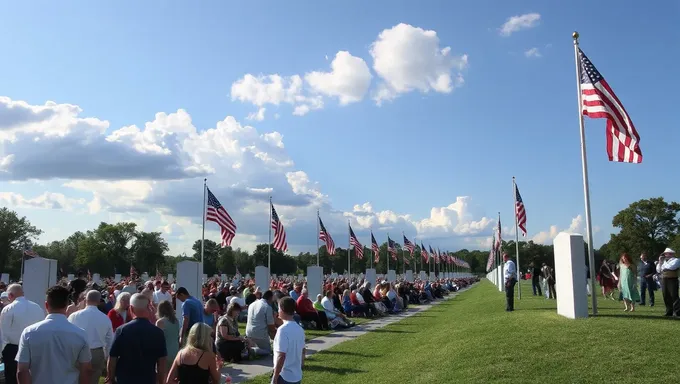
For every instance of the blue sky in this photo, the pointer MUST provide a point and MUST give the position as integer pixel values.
(514, 115)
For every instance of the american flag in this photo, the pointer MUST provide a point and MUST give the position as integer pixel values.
(216, 212)
(375, 247)
(392, 248)
(489, 262)
(499, 242)
(279, 233)
(520, 212)
(439, 256)
(30, 252)
(358, 248)
(432, 254)
(423, 252)
(600, 102)
(326, 237)
(409, 245)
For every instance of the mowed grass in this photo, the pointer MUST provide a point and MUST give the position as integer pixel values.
(471, 339)
(310, 333)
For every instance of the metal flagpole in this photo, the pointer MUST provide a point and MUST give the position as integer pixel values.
(372, 255)
(269, 245)
(205, 189)
(317, 237)
(349, 250)
(586, 188)
(519, 276)
(388, 254)
(403, 264)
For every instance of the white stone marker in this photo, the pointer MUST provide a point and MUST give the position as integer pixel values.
(4, 278)
(188, 273)
(391, 276)
(96, 278)
(409, 276)
(371, 277)
(117, 277)
(171, 278)
(262, 279)
(572, 301)
(70, 277)
(423, 275)
(39, 275)
(223, 277)
(314, 281)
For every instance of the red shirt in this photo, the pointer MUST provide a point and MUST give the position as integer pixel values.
(304, 305)
(117, 319)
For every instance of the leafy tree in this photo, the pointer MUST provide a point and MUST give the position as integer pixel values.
(148, 251)
(211, 251)
(16, 233)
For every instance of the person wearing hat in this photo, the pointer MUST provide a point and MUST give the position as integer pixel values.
(668, 268)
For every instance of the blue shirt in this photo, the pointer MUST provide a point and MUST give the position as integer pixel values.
(138, 346)
(193, 309)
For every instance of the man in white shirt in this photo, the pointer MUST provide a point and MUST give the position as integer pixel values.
(289, 346)
(99, 332)
(15, 317)
(510, 276)
(163, 294)
(333, 313)
(668, 267)
(260, 327)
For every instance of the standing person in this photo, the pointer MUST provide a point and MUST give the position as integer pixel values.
(120, 314)
(260, 327)
(162, 294)
(15, 317)
(629, 292)
(535, 276)
(54, 350)
(289, 346)
(192, 312)
(647, 271)
(606, 280)
(545, 271)
(668, 268)
(167, 321)
(138, 352)
(195, 363)
(510, 275)
(99, 332)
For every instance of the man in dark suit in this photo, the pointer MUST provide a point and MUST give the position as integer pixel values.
(646, 271)
(535, 276)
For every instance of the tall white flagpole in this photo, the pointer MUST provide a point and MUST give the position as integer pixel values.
(349, 251)
(269, 245)
(388, 255)
(317, 237)
(205, 189)
(586, 188)
(519, 271)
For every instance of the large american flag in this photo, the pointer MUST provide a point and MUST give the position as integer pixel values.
(600, 102)
(216, 213)
(499, 241)
(392, 247)
(424, 253)
(376, 248)
(358, 248)
(279, 233)
(326, 237)
(30, 252)
(520, 212)
(409, 245)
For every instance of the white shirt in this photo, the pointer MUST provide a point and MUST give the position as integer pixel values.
(509, 270)
(328, 305)
(360, 298)
(15, 317)
(290, 339)
(241, 301)
(670, 264)
(159, 296)
(97, 326)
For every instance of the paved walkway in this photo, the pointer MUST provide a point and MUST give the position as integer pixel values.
(242, 372)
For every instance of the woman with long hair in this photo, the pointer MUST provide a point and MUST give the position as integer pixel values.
(167, 321)
(195, 363)
(230, 344)
(627, 283)
(121, 313)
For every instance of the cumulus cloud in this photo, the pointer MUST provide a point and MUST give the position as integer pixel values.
(409, 58)
(518, 23)
(46, 200)
(250, 166)
(348, 79)
(546, 237)
(532, 53)
(257, 116)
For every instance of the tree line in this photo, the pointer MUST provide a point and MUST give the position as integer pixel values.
(647, 225)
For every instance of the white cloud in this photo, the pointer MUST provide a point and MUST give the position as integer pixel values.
(546, 237)
(532, 53)
(408, 58)
(252, 166)
(46, 200)
(348, 79)
(518, 23)
(257, 116)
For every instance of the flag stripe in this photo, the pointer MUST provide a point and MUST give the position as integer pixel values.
(215, 212)
(279, 232)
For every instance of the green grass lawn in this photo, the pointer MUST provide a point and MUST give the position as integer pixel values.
(471, 339)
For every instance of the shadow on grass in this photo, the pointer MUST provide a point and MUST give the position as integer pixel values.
(636, 316)
(391, 331)
(345, 353)
(327, 369)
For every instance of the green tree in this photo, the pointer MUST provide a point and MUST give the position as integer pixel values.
(148, 251)
(16, 233)
(210, 253)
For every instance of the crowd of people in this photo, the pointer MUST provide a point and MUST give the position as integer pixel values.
(153, 331)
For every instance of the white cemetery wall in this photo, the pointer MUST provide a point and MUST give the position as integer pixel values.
(572, 301)
(314, 281)
(262, 278)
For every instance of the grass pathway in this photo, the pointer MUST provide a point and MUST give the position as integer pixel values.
(471, 339)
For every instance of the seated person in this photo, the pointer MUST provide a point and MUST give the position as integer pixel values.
(332, 313)
(305, 308)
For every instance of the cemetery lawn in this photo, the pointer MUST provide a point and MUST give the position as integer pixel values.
(471, 339)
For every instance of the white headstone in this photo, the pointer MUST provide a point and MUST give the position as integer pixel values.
(274, 276)
(188, 273)
(4, 278)
(70, 277)
(314, 281)
(204, 278)
(117, 277)
(300, 277)
(248, 276)
(262, 277)
(423, 275)
(409, 276)
(171, 278)
(572, 301)
(223, 277)
(96, 278)
(391, 276)
(500, 280)
(145, 276)
(39, 275)
(371, 276)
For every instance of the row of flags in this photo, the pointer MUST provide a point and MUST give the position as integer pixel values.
(496, 237)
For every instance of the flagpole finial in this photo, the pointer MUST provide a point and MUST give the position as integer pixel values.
(575, 35)
(205, 180)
